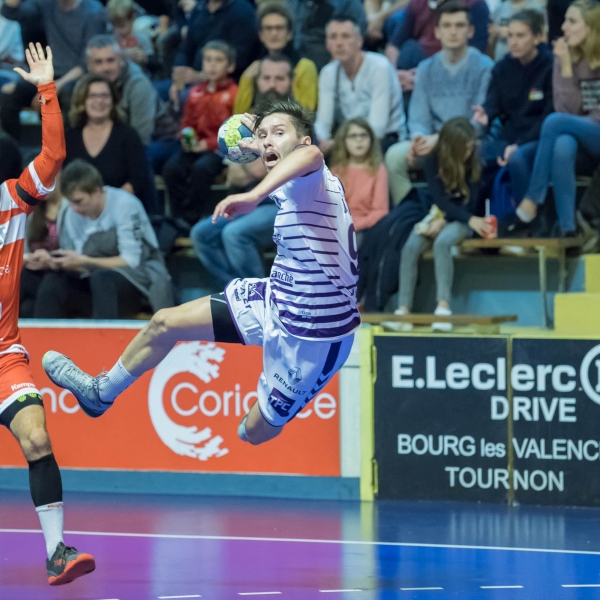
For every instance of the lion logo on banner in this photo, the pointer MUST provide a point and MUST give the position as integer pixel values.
(202, 360)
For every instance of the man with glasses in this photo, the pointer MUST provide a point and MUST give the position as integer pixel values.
(275, 30)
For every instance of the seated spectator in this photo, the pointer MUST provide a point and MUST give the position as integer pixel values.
(137, 46)
(138, 101)
(231, 249)
(357, 84)
(311, 18)
(275, 29)
(11, 164)
(190, 173)
(108, 259)
(414, 38)
(41, 240)
(501, 17)
(452, 171)
(575, 125)
(520, 95)
(357, 160)
(447, 85)
(232, 21)
(11, 50)
(98, 136)
(68, 25)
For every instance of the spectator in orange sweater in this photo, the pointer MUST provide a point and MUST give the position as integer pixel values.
(190, 173)
(358, 162)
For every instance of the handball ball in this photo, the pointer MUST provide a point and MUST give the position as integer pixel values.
(231, 133)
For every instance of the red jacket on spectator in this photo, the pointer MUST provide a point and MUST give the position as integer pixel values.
(205, 111)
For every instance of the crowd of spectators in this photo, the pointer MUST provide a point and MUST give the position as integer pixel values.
(476, 99)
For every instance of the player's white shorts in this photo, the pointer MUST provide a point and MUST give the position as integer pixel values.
(294, 370)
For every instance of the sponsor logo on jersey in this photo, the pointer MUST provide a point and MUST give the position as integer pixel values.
(282, 276)
(288, 386)
(294, 375)
(280, 403)
(18, 386)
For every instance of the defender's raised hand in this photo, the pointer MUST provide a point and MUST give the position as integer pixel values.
(41, 69)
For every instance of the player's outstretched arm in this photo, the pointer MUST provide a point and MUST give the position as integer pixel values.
(304, 160)
(37, 179)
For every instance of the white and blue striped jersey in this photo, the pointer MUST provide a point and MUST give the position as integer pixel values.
(314, 276)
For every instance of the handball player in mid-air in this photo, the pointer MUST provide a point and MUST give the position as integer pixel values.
(304, 315)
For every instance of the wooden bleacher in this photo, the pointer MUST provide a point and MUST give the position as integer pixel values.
(483, 324)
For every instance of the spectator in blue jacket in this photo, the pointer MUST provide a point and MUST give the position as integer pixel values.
(520, 96)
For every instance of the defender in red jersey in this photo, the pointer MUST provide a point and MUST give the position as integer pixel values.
(21, 407)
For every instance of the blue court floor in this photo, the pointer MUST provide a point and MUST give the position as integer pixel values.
(167, 547)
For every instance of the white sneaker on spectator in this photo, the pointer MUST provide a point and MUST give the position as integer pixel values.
(398, 326)
(442, 311)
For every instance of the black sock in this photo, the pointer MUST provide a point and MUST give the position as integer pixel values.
(45, 482)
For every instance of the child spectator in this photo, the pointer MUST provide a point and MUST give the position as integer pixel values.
(190, 173)
(520, 95)
(136, 46)
(501, 17)
(452, 171)
(574, 126)
(357, 160)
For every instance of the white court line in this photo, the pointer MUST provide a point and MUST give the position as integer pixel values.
(171, 597)
(257, 593)
(427, 589)
(169, 536)
(338, 591)
(583, 585)
(501, 587)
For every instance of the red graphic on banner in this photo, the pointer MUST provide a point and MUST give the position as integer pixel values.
(183, 416)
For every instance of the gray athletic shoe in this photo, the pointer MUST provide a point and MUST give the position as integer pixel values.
(66, 374)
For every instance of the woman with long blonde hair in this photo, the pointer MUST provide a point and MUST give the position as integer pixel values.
(575, 125)
(357, 160)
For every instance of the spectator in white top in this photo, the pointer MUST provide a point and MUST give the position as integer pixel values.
(357, 84)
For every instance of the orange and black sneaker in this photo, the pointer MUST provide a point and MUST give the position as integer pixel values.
(67, 564)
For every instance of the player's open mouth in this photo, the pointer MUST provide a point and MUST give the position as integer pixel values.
(271, 158)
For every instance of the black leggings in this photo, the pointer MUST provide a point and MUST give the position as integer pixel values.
(105, 294)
